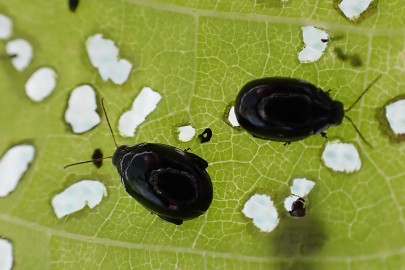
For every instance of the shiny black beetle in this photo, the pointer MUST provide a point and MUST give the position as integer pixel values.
(288, 109)
(167, 181)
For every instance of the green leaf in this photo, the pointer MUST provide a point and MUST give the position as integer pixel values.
(197, 55)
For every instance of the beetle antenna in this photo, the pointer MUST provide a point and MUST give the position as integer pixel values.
(108, 121)
(87, 161)
(358, 131)
(365, 91)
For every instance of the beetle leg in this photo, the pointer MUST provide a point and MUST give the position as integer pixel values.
(287, 143)
(328, 92)
(187, 149)
(323, 134)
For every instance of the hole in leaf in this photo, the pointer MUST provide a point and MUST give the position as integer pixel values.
(103, 55)
(230, 117)
(6, 254)
(13, 164)
(314, 44)
(77, 196)
(22, 53)
(185, 133)
(341, 157)
(356, 11)
(144, 104)
(261, 209)
(81, 113)
(41, 84)
(6, 27)
(392, 118)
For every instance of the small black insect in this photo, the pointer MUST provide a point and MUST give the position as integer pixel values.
(298, 208)
(97, 158)
(166, 180)
(288, 109)
(325, 40)
(73, 5)
(205, 136)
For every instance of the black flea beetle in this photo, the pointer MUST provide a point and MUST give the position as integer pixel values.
(298, 207)
(167, 181)
(288, 109)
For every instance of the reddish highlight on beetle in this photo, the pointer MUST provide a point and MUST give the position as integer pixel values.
(112, 133)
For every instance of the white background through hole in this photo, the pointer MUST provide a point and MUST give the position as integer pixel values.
(103, 55)
(13, 164)
(6, 255)
(41, 84)
(186, 133)
(353, 8)
(232, 117)
(395, 113)
(6, 27)
(23, 51)
(314, 47)
(261, 209)
(341, 157)
(77, 196)
(144, 104)
(81, 112)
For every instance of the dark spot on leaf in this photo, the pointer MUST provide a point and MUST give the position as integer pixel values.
(355, 60)
(340, 54)
(97, 154)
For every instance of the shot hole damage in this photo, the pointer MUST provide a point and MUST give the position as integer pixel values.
(81, 113)
(232, 117)
(22, 52)
(144, 104)
(6, 27)
(13, 164)
(6, 254)
(392, 118)
(356, 10)
(315, 44)
(41, 84)
(77, 196)
(341, 157)
(103, 55)
(261, 209)
(395, 113)
(185, 133)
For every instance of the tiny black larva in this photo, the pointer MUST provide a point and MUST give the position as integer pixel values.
(288, 109)
(167, 181)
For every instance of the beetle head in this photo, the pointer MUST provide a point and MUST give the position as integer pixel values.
(337, 114)
(119, 154)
